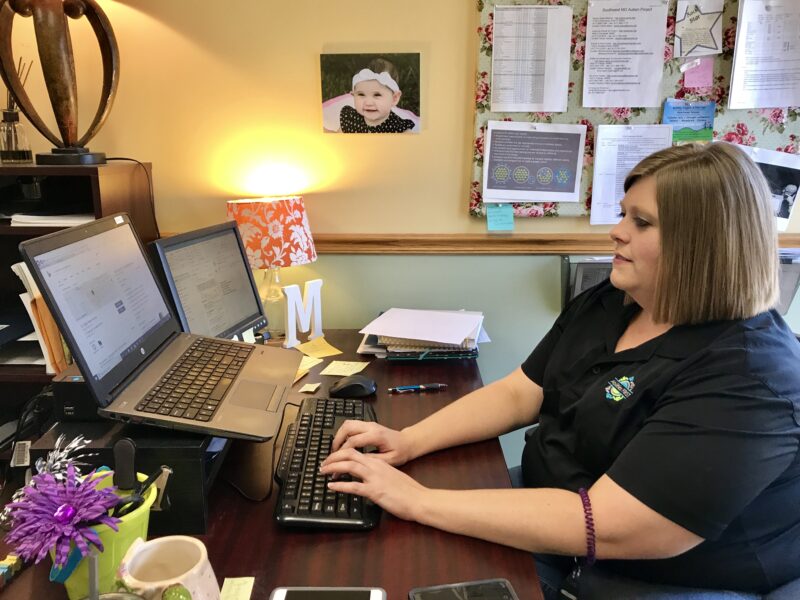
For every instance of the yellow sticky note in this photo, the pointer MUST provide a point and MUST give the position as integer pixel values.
(309, 388)
(237, 588)
(305, 366)
(343, 368)
(308, 362)
(318, 348)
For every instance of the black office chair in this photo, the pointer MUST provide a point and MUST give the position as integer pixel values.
(788, 591)
(515, 473)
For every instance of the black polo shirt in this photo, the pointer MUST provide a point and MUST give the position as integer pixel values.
(701, 423)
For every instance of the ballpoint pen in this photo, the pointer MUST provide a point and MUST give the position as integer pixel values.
(421, 387)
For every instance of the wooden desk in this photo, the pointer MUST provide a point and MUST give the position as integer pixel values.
(244, 540)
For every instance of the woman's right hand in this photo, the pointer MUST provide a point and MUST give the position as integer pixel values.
(392, 446)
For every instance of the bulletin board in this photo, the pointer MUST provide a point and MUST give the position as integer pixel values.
(772, 129)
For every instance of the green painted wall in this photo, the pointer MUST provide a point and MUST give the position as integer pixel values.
(519, 296)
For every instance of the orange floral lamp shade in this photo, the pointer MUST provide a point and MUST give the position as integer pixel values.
(275, 231)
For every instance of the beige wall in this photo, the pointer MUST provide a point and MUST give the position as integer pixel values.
(224, 99)
(221, 95)
(212, 92)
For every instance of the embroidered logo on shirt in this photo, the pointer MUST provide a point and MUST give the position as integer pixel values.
(620, 388)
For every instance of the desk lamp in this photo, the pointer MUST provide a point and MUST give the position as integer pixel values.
(276, 234)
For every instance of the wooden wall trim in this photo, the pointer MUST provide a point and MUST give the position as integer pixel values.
(477, 243)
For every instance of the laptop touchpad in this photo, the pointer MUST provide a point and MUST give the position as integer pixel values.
(251, 393)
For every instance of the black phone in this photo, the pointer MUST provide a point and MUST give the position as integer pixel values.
(485, 589)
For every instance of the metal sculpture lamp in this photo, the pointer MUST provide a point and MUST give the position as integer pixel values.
(58, 66)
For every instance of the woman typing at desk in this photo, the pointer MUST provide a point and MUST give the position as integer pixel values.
(668, 403)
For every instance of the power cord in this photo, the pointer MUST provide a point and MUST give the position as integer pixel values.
(273, 460)
(31, 407)
(28, 417)
(275, 454)
(149, 184)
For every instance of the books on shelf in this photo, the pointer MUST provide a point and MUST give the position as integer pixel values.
(409, 334)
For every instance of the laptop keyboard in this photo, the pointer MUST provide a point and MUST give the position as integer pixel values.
(194, 386)
(305, 499)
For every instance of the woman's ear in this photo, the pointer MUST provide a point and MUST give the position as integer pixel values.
(396, 98)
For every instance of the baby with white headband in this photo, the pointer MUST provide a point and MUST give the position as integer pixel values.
(375, 93)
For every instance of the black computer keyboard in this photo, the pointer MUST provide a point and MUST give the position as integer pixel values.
(195, 384)
(305, 500)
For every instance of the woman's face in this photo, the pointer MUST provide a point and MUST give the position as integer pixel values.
(374, 101)
(637, 244)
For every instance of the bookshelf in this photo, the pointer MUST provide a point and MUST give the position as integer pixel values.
(100, 190)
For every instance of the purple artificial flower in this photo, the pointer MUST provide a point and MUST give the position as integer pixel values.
(55, 514)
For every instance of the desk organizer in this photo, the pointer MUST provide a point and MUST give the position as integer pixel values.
(194, 468)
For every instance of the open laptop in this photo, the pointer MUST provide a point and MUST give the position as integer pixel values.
(127, 342)
(210, 281)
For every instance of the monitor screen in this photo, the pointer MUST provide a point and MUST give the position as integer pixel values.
(789, 283)
(107, 296)
(588, 274)
(211, 282)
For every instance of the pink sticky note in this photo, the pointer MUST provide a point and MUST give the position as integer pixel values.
(700, 76)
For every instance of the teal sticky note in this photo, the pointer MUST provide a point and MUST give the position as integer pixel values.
(499, 217)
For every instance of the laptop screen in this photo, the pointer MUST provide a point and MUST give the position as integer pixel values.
(106, 294)
(212, 286)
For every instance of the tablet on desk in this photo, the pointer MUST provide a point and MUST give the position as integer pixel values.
(486, 589)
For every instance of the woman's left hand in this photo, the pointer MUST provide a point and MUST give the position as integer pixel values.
(387, 487)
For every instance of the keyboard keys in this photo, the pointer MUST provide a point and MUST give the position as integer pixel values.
(308, 442)
(193, 387)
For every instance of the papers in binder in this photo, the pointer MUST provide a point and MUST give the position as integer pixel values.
(422, 334)
(44, 325)
(443, 327)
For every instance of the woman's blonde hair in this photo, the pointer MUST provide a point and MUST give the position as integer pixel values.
(719, 246)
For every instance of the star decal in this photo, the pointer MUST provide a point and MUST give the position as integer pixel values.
(695, 32)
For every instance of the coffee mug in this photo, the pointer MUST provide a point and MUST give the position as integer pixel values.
(174, 567)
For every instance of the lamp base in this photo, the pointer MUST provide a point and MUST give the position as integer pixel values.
(71, 156)
(274, 303)
(276, 318)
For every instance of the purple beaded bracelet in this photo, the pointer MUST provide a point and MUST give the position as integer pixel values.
(591, 546)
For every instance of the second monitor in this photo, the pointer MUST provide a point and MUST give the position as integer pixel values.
(210, 281)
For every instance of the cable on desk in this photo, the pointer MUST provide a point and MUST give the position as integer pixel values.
(26, 416)
(30, 408)
(149, 184)
(273, 461)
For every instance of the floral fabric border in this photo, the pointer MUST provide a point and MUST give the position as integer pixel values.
(773, 128)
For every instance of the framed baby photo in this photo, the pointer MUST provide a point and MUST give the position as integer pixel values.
(370, 93)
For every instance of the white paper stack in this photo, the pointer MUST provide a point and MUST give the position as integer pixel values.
(49, 337)
(25, 220)
(408, 331)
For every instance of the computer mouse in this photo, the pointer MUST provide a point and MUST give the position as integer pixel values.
(352, 386)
